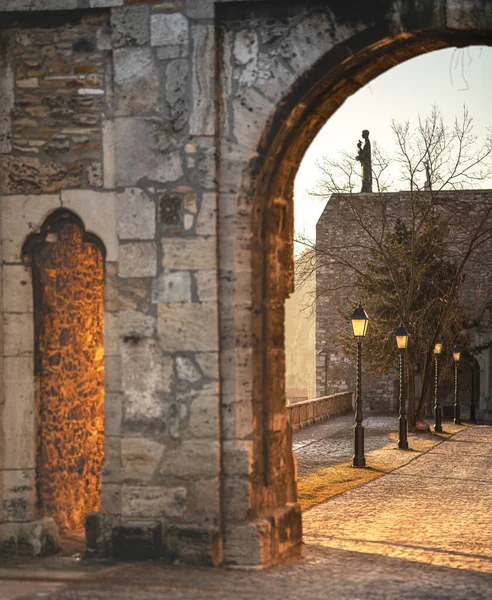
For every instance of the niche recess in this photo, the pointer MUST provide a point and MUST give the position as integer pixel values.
(68, 281)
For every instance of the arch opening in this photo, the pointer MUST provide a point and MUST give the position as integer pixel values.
(68, 279)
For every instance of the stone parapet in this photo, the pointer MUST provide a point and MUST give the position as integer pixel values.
(308, 412)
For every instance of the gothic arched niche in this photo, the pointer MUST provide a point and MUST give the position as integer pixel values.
(68, 281)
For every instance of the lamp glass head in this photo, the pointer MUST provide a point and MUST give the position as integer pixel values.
(437, 349)
(402, 336)
(456, 353)
(359, 320)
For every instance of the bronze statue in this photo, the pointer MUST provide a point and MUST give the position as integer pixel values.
(364, 157)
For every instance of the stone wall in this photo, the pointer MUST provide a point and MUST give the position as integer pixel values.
(337, 228)
(173, 130)
(316, 410)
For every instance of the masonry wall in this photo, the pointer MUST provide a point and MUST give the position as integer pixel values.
(336, 227)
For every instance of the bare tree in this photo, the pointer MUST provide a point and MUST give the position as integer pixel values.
(414, 250)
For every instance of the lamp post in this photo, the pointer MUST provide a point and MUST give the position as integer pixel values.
(359, 320)
(457, 408)
(437, 406)
(402, 343)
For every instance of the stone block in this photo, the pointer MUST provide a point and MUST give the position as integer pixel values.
(17, 289)
(187, 369)
(19, 494)
(109, 163)
(135, 325)
(113, 410)
(130, 26)
(138, 540)
(112, 374)
(144, 368)
(207, 500)
(206, 223)
(195, 545)
(111, 499)
(169, 30)
(177, 93)
(18, 334)
(171, 52)
(28, 175)
(189, 253)
(146, 152)
(134, 293)
(137, 81)
(238, 457)
(35, 538)
(137, 259)
(21, 216)
(172, 287)
(238, 498)
(99, 529)
(18, 419)
(187, 327)
(139, 459)
(111, 471)
(191, 458)
(204, 411)
(200, 9)
(111, 334)
(97, 211)
(135, 213)
(202, 115)
(207, 285)
(153, 501)
(111, 298)
(209, 364)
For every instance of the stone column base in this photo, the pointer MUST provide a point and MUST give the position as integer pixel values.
(108, 535)
(36, 538)
(265, 542)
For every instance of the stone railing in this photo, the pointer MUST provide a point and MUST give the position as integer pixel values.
(302, 414)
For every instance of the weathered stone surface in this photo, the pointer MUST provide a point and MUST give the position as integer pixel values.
(187, 327)
(113, 411)
(111, 334)
(204, 411)
(176, 92)
(130, 26)
(109, 164)
(172, 287)
(135, 213)
(138, 540)
(27, 175)
(97, 211)
(202, 116)
(37, 538)
(209, 364)
(137, 81)
(153, 501)
(207, 498)
(18, 495)
(146, 152)
(135, 324)
(137, 259)
(18, 334)
(111, 299)
(17, 289)
(245, 46)
(192, 253)
(21, 215)
(169, 30)
(139, 459)
(187, 369)
(206, 223)
(200, 9)
(18, 419)
(190, 459)
(207, 285)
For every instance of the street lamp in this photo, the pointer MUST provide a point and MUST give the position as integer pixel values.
(401, 335)
(359, 320)
(437, 407)
(457, 408)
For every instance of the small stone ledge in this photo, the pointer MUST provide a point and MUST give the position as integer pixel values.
(36, 538)
(308, 412)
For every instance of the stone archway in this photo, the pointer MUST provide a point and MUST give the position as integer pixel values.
(275, 129)
(68, 282)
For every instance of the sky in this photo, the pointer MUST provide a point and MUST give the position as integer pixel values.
(447, 78)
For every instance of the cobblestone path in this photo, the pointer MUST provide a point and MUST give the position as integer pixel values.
(422, 532)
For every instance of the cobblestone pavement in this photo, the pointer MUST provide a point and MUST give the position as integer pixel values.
(422, 532)
(331, 442)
